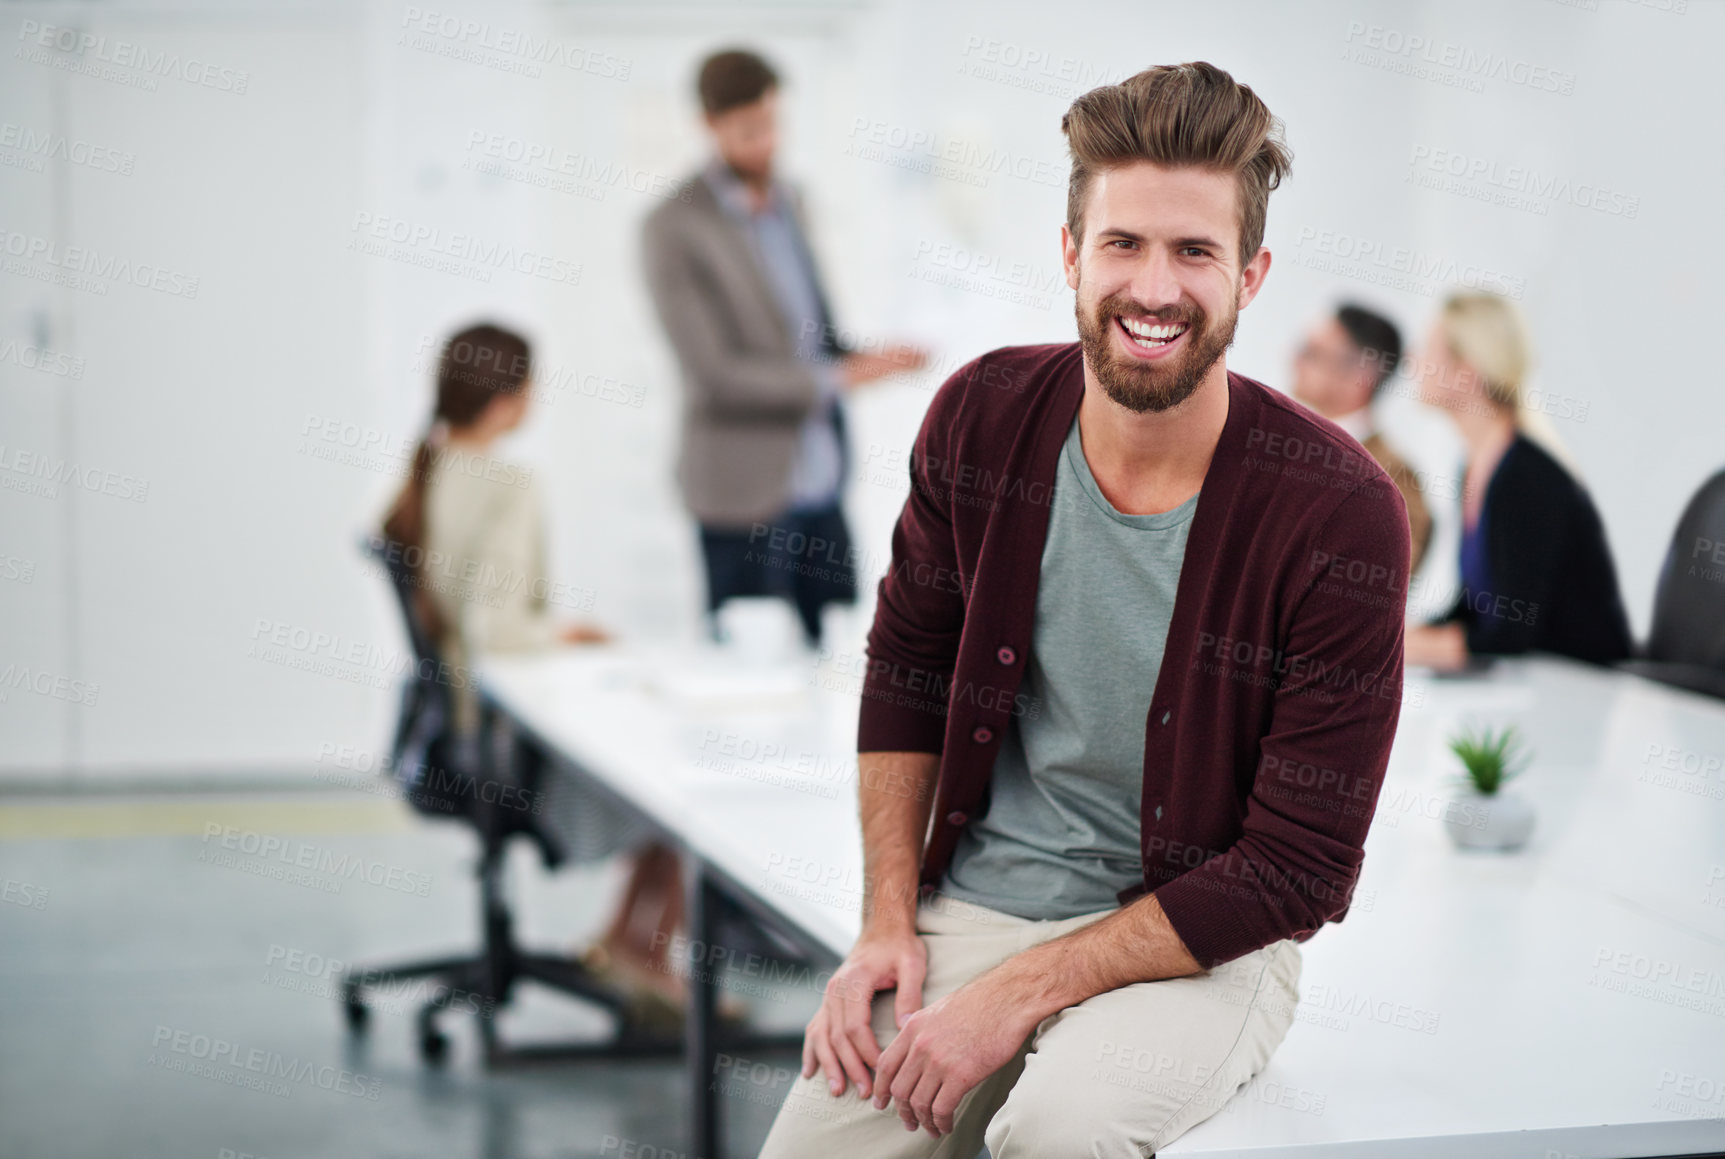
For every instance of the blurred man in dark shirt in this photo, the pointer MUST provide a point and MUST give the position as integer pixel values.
(1345, 362)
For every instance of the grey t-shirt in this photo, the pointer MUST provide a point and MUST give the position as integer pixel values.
(1061, 833)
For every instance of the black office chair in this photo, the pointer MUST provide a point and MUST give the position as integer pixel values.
(488, 782)
(1686, 646)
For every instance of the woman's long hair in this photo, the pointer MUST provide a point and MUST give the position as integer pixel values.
(476, 365)
(1488, 333)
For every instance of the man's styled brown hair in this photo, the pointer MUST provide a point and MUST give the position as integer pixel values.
(1179, 114)
(732, 79)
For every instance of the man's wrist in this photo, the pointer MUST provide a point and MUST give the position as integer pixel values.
(893, 920)
(1137, 943)
(1035, 983)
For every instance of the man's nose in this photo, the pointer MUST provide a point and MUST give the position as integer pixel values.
(1155, 285)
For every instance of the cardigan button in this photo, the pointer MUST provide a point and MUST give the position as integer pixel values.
(983, 734)
(956, 818)
(1166, 715)
(1006, 656)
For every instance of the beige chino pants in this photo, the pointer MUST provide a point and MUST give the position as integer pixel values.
(1118, 1075)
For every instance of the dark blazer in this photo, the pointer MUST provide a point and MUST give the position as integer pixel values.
(1271, 720)
(1554, 587)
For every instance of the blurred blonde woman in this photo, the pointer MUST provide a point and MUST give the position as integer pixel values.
(476, 523)
(1536, 571)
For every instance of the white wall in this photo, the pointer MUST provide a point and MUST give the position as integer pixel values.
(137, 621)
(347, 113)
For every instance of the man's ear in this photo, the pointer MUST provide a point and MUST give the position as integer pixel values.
(1252, 277)
(1069, 256)
(1365, 375)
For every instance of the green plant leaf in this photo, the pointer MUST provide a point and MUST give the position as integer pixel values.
(1489, 756)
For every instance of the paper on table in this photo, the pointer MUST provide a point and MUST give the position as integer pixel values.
(717, 684)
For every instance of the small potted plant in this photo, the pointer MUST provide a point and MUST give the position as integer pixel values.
(1482, 815)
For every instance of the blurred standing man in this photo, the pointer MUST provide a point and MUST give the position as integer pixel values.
(1345, 362)
(735, 285)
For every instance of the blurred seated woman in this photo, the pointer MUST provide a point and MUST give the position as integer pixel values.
(1536, 572)
(478, 523)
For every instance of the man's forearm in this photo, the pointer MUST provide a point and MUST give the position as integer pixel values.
(1136, 943)
(894, 792)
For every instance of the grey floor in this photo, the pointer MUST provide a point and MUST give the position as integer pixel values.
(129, 959)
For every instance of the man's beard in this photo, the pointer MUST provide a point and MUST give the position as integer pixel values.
(757, 175)
(1151, 386)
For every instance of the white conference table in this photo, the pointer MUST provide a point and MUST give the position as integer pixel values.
(1567, 999)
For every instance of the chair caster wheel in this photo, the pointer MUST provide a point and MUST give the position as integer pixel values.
(357, 1012)
(433, 1048)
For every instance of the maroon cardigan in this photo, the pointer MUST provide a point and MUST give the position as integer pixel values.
(1272, 717)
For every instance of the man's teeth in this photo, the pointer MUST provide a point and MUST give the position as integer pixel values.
(1153, 334)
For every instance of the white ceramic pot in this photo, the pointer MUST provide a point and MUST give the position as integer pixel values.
(1502, 820)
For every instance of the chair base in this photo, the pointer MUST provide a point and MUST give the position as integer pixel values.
(483, 983)
(459, 984)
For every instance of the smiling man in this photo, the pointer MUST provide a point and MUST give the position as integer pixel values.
(1152, 719)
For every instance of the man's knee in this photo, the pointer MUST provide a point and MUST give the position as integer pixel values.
(1076, 1115)
(811, 1120)
(1037, 1121)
